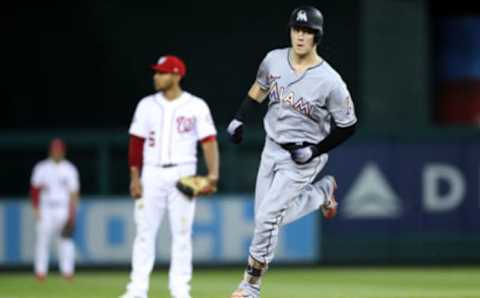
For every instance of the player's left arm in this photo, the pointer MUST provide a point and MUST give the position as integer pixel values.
(73, 204)
(201, 185)
(341, 108)
(207, 136)
(74, 197)
(212, 160)
(336, 137)
(74, 189)
(69, 226)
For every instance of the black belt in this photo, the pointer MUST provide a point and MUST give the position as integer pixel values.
(169, 165)
(296, 145)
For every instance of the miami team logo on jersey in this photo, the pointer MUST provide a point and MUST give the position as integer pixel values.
(300, 105)
(184, 124)
(302, 16)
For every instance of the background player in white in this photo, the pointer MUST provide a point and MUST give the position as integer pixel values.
(309, 113)
(164, 134)
(55, 192)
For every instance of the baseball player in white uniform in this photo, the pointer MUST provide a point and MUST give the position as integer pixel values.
(164, 133)
(55, 192)
(310, 112)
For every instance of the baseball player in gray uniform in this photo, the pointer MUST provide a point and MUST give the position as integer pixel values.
(310, 112)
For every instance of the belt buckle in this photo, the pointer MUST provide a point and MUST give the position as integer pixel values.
(169, 165)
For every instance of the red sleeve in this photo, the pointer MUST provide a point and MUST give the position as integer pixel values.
(35, 194)
(208, 139)
(135, 151)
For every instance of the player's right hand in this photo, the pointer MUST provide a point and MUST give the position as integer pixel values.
(235, 131)
(36, 214)
(136, 188)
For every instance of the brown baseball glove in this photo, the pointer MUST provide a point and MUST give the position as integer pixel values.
(68, 229)
(193, 186)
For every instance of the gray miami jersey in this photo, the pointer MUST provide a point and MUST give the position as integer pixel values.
(302, 106)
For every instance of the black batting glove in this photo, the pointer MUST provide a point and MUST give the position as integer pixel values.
(304, 155)
(235, 131)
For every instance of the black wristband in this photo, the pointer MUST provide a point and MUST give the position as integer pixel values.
(247, 105)
(337, 136)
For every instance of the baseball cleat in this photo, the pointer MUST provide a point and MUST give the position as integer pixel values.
(128, 295)
(68, 277)
(329, 207)
(40, 277)
(246, 290)
(241, 293)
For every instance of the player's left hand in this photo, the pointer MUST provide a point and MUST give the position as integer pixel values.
(193, 186)
(68, 229)
(304, 155)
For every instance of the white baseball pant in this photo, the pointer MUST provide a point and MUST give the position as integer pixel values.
(49, 226)
(160, 195)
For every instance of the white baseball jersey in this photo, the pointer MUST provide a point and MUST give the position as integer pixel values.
(171, 128)
(56, 181)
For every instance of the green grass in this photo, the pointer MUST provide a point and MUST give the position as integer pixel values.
(451, 282)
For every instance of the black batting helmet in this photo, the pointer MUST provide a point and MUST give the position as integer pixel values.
(308, 17)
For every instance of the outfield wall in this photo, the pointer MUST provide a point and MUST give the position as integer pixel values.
(105, 230)
(405, 202)
(399, 203)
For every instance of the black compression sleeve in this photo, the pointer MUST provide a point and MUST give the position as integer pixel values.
(247, 105)
(335, 138)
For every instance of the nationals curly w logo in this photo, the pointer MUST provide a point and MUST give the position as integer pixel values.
(184, 124)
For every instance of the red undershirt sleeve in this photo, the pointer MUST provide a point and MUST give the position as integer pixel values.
(208, 139)
(135, 151)
(35, 195)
